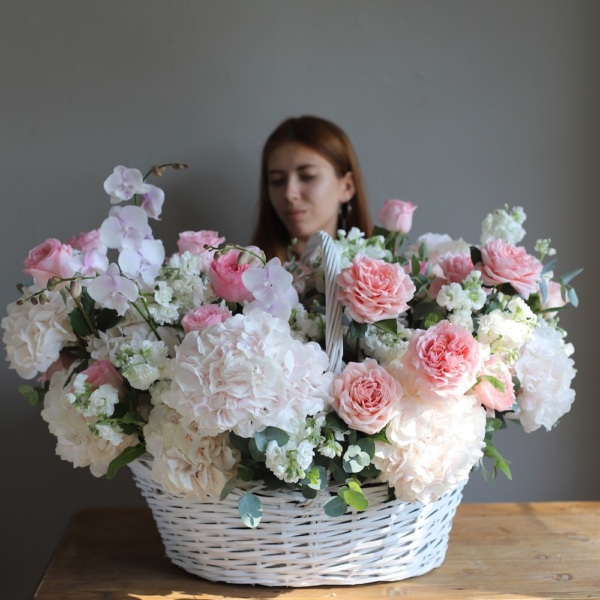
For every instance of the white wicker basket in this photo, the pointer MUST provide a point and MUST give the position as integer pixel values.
(296, 543)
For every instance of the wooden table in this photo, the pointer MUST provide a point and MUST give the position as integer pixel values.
(496, 551)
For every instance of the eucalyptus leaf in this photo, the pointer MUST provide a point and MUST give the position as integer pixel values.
(356, 500)
(335, 507)
(278, 435)
(566, 278)
(229, 486)
(367, 445)
(250, 509)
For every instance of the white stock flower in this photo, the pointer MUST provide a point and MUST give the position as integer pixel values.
(433, 446)
(186, 461)
(453, 297)
(76, 442)
(507, 330)
(545, 372)
(143, 362)
(505, 225)
(383, 346)
(354, 242)
(248, 373)
(34, 334)
(291, 461)
(100, 402)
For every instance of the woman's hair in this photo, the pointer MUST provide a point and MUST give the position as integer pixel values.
(328, 140)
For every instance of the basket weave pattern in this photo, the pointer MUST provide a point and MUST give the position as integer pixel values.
(297, 544)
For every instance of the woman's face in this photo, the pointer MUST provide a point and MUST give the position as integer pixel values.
(305, 191)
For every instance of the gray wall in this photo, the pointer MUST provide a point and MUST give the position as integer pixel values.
(458, 106)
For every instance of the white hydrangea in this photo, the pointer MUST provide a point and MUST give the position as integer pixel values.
(545, 372)
(504, 224)
(142, 362)
(246, 374)
(34, 334)
(186, 462)
(77, 441)
(433, 447)
(507, 330)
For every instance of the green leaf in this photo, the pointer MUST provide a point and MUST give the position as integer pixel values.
(493, 381)
(335, 507)
(355, 499)
(573, 299)
(238, 442)
(34, 395)
(367, 445)
(378, 230)
(128, 455)
(316, 478)
(245, 473)
(380, 436)
(357, 330)
(308, 492)
(106, 319)
(229, 486)
(333, 421)
(415, 265)
(549, 266)
(475, 255)
(388, 325)
(257, 454)
(278, 435)
(79, 324)
(250, 509)
(566, 278)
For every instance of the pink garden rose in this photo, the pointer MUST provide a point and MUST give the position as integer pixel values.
(487, 393)
(554, 298)
(504, 262)
(456, 267)
(225, 274)
(103, 372)
(372, 289)
(49, 259)
(203, 316)
(441, 361)
(397, 215)
(366, 396)
(88, 241)
(195, 241)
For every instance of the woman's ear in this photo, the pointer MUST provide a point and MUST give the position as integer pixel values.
(348, 187)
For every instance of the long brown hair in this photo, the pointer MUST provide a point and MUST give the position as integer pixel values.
(332, 143)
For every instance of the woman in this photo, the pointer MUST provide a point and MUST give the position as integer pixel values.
(310, 181)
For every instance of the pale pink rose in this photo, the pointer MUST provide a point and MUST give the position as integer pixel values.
(62, 363)
(88, 241)
(373, 290)
(49, 259)
(225, 274)
(397, 215)
(202, 317)
(504, 262)
(441, 361)
(195, 242)
(366, 396)
(456, 267)
(103, 372)
(490, 396)
(554, 297)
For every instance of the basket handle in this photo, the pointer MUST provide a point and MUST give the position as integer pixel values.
(334, 341)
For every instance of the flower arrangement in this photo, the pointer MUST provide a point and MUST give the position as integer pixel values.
(211, 361)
